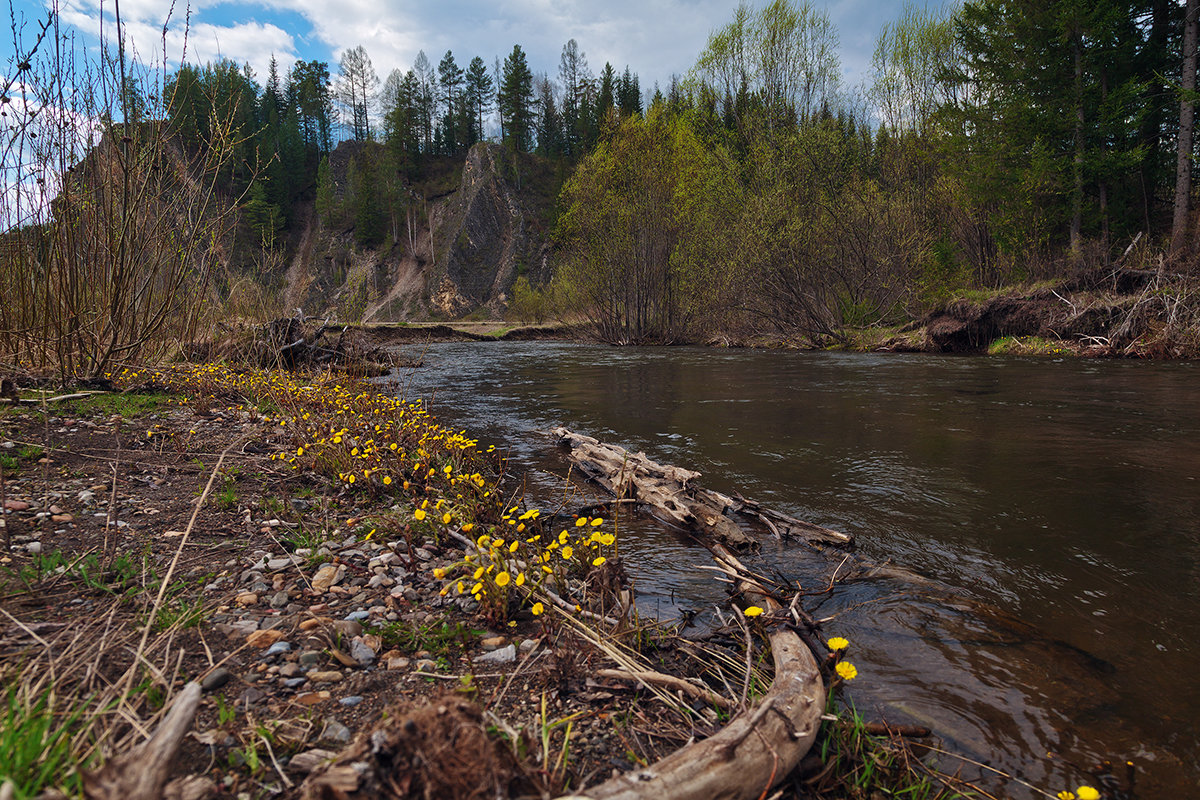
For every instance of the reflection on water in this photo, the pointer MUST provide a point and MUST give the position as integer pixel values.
(1056, 500)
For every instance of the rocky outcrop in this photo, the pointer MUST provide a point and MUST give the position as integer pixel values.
(450, 253)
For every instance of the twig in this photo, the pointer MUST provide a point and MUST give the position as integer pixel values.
(671, 682)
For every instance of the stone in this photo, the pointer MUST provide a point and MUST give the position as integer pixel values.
(310, 658)
(358, 616)
(295, 683)
(312, 698)
(61, 518)
(33, 548)
(264, 639)
(396, 662)
(309, 760)
(361, 653)
(493, 643)
(279, 648)
(351, 701)
(279, 599)
(289, 670)
(348, 628)
(327, 576)
(325, 676)
(426, 665)
(16, 505)
(505, 655)
(379, 580)
(86, 497)
(529, 644)
(215, 679)
(243, 627)
(278, 563)
(335, 732)
(251, 695)
(246, 599)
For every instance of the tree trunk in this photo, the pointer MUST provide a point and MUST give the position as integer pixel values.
(1187, 112)
(1077, 190)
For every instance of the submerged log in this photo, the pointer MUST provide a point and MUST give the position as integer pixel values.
(671, 492)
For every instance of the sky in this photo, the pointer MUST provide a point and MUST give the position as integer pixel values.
(655, 38)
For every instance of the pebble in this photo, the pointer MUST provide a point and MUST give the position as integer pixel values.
(361, 653)
(325, 676)
(278, 648)
(493, 643)
(311, 698)
(505, 655)
(16, 505)
(289, 670)
(358, 616)
(326, 577)
(246, 599)
(280, 599)
(348, 627)
(310, 658)
(351, 701)
(86, 497)
(335, 732)
(215, 679)
(33, 548)
(309, 760)
(379, 580)
(295, 683)
(426, 665)
(278, 563)
(397, 662)
(529, 644)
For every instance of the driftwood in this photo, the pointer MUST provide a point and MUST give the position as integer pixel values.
(671, 492)
(141, 773)
(758, 748)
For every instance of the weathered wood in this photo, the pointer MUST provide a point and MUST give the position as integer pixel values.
(671, 492)
(758, 748)
(141, 773)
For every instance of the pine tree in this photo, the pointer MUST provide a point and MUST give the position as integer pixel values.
(480, 94)
(517, 100)
(450, 78)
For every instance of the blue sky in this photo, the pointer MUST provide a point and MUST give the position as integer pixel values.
(656, 38)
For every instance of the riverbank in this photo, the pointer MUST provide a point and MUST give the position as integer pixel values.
(321, 557)
(1116, 313)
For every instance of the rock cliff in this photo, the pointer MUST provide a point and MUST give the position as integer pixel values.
(453, 247)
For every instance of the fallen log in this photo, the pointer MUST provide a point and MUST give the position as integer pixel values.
(758, 748)
(142, 773)
(671, 492)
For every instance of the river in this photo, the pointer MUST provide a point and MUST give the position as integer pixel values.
(1057, 501)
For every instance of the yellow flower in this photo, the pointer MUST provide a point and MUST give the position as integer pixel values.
(299, 450)
(520, 579)
(838, 643)
(597, 521)
(598, 561)
(847, 670)
(567, 552)
(1087, 793)
(475, 590)
(1065, 795)
(439, 573)
(752, 611)
(461, 587)
(478, 573)
(387, 481)
(579, 523)
(607, 539)
(468, 527)
(502, 579)
(512, 548)
(446, 518)
(419, 514)
(537, 608)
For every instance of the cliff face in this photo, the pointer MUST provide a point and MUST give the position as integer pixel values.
(450, 250)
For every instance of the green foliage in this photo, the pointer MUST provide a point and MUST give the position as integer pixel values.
(37, 737)
(442, 639)
(528, 304)
(516, 101)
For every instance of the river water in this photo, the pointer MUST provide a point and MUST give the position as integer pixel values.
(1055, 503)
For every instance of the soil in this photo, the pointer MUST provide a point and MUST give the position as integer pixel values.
(96, 517)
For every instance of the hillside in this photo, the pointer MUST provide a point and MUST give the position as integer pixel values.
(452, 243)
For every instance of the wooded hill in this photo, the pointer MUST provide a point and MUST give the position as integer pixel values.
(997, 143)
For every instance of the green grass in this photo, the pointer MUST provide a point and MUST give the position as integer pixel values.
(1028, 346)
(37, 739)
(126, 405)
(440, 638)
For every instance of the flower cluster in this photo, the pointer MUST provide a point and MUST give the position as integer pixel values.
(516, 557)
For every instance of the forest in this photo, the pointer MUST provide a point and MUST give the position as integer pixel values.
(996, 143)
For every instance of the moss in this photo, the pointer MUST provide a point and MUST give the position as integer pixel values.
(1029, 346)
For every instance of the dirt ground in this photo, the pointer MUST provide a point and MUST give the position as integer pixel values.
(307, 615)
